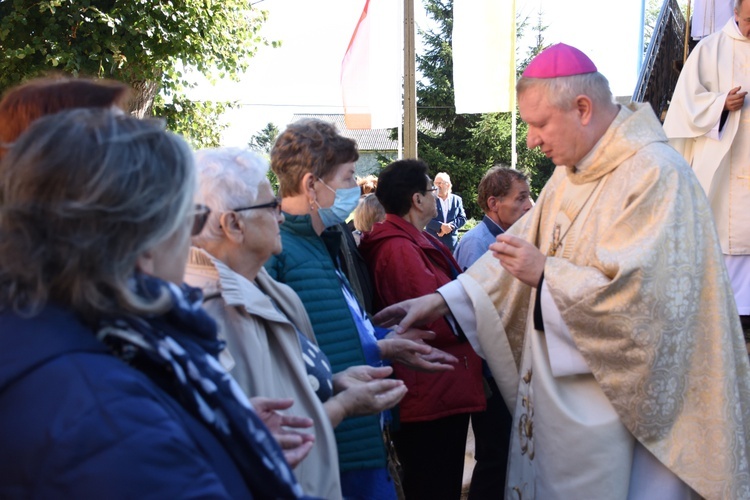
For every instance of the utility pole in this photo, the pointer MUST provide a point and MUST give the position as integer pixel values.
(410, 83)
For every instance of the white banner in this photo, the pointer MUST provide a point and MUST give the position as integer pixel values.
(484, 62)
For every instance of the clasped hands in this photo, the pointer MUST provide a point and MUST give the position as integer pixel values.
(445, 229)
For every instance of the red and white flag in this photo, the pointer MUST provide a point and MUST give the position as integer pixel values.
(372, 69)
(484, 55)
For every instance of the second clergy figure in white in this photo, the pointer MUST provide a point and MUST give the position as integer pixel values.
(707, 123)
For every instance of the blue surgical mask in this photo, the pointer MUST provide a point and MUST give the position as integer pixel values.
(343, 205)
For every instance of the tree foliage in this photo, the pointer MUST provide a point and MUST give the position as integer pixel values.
(538, 42)
(198, 121)
(466, 145)
(144, 43)
(262, 142)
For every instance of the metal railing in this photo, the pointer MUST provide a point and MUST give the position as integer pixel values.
(663, 61)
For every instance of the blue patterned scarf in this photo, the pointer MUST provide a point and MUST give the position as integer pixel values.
(178, 350)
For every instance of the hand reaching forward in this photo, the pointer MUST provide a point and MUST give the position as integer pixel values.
(295, 445)
(520, 258)
(418, 312)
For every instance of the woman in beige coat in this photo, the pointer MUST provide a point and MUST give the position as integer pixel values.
(271, 348)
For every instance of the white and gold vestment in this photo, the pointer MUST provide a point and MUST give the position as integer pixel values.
(638, 279)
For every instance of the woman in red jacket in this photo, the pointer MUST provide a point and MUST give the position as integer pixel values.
(406, 262)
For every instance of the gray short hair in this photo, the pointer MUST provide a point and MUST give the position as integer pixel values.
(228, 178)
(83, 193)
(563, 91)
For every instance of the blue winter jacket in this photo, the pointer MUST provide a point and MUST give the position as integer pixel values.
(76, 422)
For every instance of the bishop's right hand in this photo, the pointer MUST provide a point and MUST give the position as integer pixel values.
(413, 312)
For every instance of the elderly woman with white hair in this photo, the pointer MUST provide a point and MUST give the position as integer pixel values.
(271, 346)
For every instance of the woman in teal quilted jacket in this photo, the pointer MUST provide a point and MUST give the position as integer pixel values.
(315, 168)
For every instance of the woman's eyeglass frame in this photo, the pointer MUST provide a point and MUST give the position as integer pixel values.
(274, 204)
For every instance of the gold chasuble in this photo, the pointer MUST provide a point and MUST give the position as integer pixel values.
(639, 280)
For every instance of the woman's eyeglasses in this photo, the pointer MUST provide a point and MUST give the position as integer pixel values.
(275, 204)
(200, 216)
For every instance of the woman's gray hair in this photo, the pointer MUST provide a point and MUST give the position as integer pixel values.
(83, 194)
(228, 178)
(562, 92)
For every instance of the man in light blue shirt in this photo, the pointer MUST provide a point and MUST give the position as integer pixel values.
(504, 196)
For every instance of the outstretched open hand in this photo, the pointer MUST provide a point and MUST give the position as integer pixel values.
(409, 349)
(356, 375)
(363, 390)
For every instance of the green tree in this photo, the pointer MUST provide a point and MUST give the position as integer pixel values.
(198, 121)
(493, 136)
(465, 145)
(263, 140)
(144, 43)
(538, 41)
(649, 22)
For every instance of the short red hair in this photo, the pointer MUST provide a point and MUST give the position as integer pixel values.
(23, 104)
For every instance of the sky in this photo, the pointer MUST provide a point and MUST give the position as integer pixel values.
(302, 76)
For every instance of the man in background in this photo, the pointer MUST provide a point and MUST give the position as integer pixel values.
(450, 216)
(504, 197)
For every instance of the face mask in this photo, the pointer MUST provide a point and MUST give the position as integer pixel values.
(343, 204)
